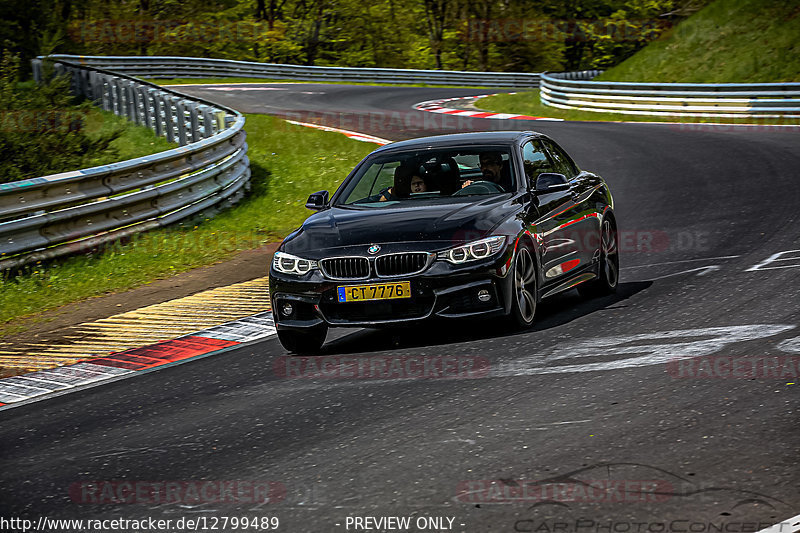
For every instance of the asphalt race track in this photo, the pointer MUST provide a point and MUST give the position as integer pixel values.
(591, 397)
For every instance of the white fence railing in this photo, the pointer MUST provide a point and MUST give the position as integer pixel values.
(724, 100)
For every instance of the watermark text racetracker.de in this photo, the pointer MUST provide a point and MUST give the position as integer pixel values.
(385, 123)
(381, 367)
(43, 120)
(592, 490)
(177, 492)
(167, 525)
(678, 525)
(640, 241)
(748, 124)
(735, 367)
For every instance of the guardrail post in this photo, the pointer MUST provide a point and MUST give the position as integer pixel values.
(77, 81)
(91, 88)
(136, 103)
(120, 97)
(68, 72)
(83, 82)
(169, 118)
(116, 104)
(130, 103)
(219, 117)
(208, 122)
(128, 109)
(104, 88)
(158, 112)
(37, 70)
(180, 115)
(194, 121)
(149, 107)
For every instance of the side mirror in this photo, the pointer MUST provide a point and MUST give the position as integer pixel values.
(548, 182)
(317, 201)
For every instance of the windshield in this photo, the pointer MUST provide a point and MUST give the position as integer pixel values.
(427, 176)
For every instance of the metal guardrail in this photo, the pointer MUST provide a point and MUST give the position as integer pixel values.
(573, 90)
(196, 67)
(45, 217)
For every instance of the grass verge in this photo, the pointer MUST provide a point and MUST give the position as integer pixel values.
(288, 162)
(135, 141)
(728, 41)
(528, 103)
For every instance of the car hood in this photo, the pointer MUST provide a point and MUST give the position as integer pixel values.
(430, 227)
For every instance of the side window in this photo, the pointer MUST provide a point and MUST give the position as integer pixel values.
(563, 164)
(535, 160)
(385, 178)
(376, 177)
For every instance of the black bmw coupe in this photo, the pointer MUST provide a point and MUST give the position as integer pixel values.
(449, 226)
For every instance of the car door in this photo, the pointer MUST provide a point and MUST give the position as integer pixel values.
(556, 211)
(584, 225)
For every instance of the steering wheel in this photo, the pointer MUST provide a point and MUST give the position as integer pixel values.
(480, 187)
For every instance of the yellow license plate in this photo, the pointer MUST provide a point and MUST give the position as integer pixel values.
(375, 291)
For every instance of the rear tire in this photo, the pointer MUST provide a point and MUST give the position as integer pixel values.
(608, 270)
(303, 342)
(524, 288)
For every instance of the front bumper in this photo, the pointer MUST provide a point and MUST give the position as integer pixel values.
(439, 292)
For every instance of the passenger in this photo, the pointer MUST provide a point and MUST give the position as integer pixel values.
(418, 184)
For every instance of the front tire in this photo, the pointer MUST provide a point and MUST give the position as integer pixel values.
(524, 288)
(608, 275)
(303, 342)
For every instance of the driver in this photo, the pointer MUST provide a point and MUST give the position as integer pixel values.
(493, 170)
(403, 184)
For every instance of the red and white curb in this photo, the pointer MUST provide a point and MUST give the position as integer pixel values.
(55, 381)
(356, 136)
(438, 106)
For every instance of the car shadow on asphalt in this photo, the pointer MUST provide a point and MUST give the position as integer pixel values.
(552, 312)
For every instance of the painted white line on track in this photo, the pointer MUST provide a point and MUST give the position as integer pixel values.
(631, 351)
(701, 271)
(357, 136)
(239, 89)
(790, 345)
(790, 525)
(682, 261)
(775, 258)
(236, 83)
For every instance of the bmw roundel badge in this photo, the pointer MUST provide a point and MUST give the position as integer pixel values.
(374, 249)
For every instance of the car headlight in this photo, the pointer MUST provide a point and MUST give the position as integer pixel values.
(291, 264)
(473, 251)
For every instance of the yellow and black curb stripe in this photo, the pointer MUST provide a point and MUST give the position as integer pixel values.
(140, 327)
(187, 341)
